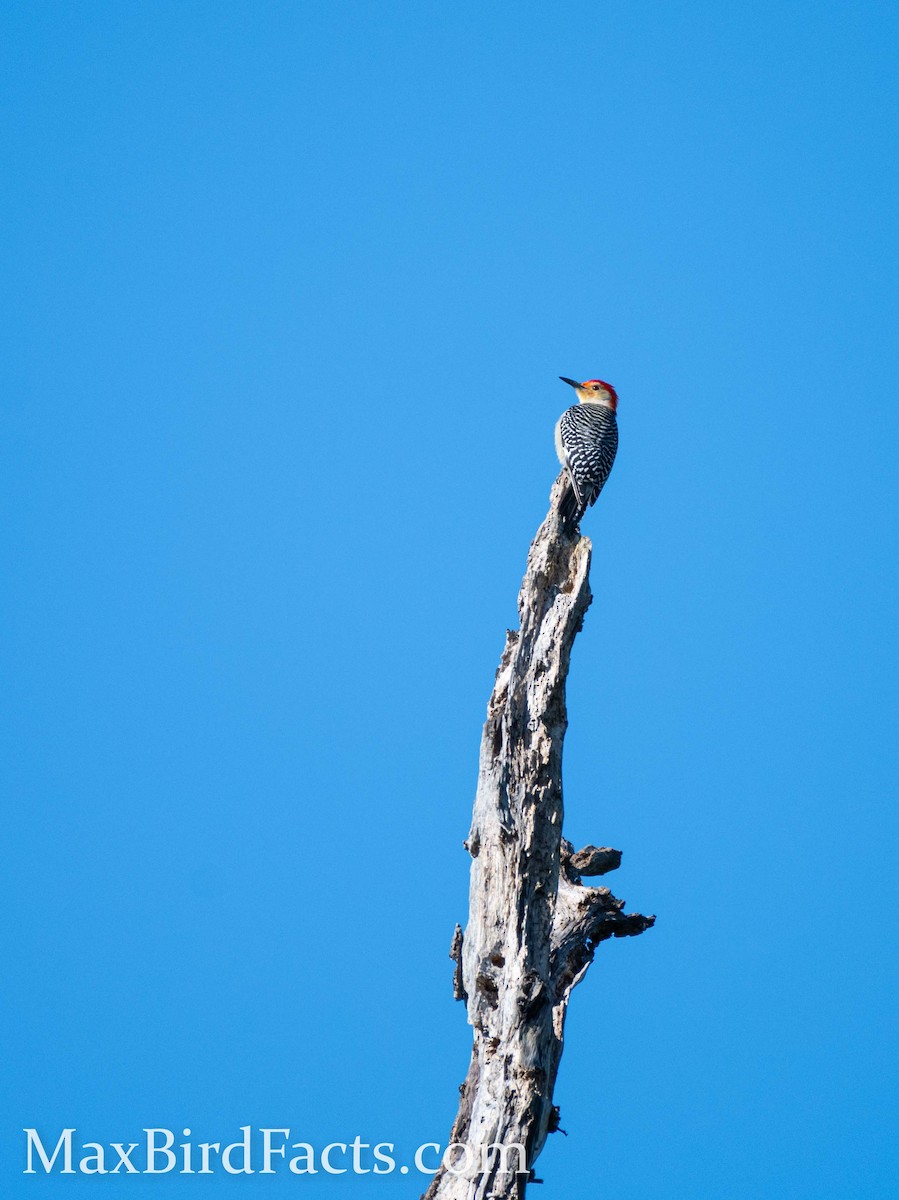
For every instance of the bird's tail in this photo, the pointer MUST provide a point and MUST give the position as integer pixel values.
(571, 510)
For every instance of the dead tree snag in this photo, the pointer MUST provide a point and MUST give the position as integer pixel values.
(533, 926)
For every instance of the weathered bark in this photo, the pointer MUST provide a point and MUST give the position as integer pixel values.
(533, 927)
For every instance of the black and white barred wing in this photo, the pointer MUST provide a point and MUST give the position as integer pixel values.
(587, 437)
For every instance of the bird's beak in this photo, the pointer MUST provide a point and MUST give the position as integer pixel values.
(572, 382)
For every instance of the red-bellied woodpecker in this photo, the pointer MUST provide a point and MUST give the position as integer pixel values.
(586, 442)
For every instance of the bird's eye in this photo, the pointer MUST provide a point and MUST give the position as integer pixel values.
(596, 387)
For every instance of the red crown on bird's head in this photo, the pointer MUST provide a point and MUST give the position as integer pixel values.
(590, 384)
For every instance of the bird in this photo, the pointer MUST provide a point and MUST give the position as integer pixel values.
(586, 443)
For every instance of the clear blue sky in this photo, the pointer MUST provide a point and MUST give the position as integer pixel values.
(288, 287)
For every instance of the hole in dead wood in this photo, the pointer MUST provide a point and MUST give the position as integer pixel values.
(488, 986)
